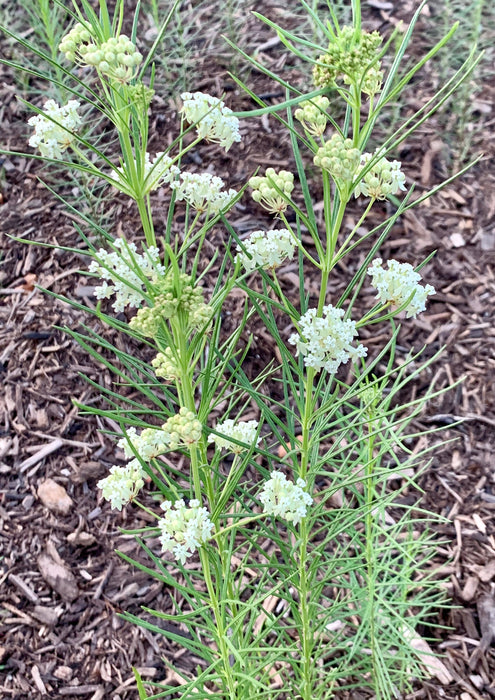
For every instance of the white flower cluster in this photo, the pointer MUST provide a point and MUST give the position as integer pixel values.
(326, 341)
(155, 172)
(398, 284)
(383, 179)
(284, 499)
(203, 192)
(54, 133)
(151, 443)
(266, 249)
(119, 268)
(214, 121)
(243, 431)
(184, 529)
(123, 484)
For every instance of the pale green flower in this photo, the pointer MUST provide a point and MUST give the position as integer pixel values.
(273, 189)
(313, 115)
(338, 157)
(383, 179)
(182, 429)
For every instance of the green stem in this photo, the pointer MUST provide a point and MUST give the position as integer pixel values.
(198, 457)
(369, 490)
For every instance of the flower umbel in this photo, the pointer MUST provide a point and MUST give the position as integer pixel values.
(54, 133)
(338, 157)
(122, 484)
(214, 121)
(383, 179)
(119, 267)
(149, 444)
(273, 189)
(313, 115)
(184, 529)
(326, 341)
(266, 249)
(204, 192)
(398, 284)
(284, 499)
(354, 58)
(182, 429)
(243, 431)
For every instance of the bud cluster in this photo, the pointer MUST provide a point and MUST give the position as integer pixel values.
(382, 179)
(214, 121)
(313, 115)
(117, 57)
(184, 528)
(398, 284)
(54, 133)
(349, 57)
(273, 189)
(165, 365)
(266, 249)
(284, 499)
(326, 341)
(169, 299)
(338, 157)
(182, 429)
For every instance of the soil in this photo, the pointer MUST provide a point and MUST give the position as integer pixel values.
(62, 585)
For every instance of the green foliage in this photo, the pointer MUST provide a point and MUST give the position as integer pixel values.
(322, 582)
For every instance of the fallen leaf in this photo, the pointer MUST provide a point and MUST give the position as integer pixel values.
(59, 577)
(55, 497)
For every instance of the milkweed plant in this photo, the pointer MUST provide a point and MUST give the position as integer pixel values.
(291, 566)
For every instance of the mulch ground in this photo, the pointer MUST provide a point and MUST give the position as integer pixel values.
(66, 639)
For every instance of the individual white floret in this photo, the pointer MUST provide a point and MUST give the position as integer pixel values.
(122, 484)
(214, 121)
(284, 499)
(54, 133)
(184, 528)
(119, 267)
(326, 341)
(266, 249)
(155, 173)
(204, 192)
(150, 443)
(383, 179)
(397, 284)
(243, 431)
